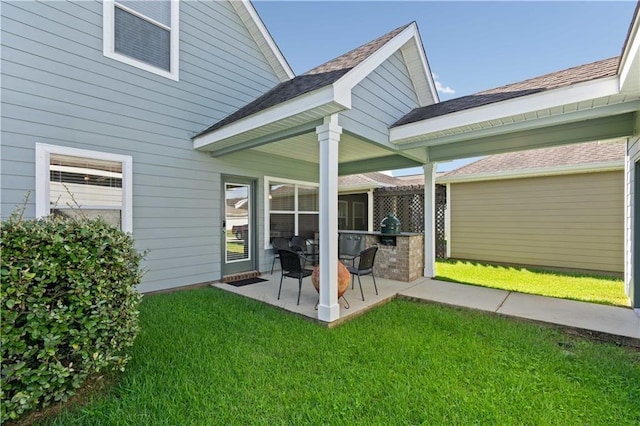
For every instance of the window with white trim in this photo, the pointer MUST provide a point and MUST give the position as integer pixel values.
(72, 182)
(291, 209)
(143, 33)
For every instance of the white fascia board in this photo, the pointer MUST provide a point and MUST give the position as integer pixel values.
(629, 70)
(631, 49)
(521, 105)
(537, 172)
(366, 67)
(309, 101)
(426, 69)
(285, 73)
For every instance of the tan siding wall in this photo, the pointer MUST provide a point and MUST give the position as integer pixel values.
(570, 221)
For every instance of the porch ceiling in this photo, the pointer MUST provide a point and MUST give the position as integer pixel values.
(356, 155)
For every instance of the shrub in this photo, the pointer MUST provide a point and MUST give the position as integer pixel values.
(68, 306)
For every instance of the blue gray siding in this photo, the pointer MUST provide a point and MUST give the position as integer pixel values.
(380, 100)
(59, 89)
(632, 218)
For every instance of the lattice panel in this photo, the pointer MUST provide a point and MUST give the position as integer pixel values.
(408, 205)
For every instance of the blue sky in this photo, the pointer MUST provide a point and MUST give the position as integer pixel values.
(470, 46)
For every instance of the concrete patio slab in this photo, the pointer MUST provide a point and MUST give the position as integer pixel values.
(267, 292)
(469, 296)
(596, 319)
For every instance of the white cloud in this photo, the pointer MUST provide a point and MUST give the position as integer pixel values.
(440, 87)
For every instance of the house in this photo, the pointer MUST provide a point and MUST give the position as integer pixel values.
(559, 207)
(188, 104)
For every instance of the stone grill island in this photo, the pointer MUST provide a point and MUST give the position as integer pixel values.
(400, 256)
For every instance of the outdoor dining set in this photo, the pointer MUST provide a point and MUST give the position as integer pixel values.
(296, 252)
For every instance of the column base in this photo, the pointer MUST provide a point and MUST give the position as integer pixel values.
(429, 273)
(329, 313)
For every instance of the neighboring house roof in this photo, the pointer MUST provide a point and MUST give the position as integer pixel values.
(370, 180)
(567, 77)
(563, 159)
(316, 78)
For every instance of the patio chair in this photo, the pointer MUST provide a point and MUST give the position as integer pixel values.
(293, 267)
(365, 267)
(278, 243)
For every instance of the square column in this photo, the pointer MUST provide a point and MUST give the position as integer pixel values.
(328, 141)
(429, 220)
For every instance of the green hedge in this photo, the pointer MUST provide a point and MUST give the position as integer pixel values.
(68, 306)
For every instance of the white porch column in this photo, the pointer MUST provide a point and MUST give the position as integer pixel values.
(370, 210)
(328, 140)
(429, 220)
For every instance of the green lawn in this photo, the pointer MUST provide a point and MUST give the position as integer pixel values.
(206, 357)
(589, 288)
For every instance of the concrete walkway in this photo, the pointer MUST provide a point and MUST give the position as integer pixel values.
(617, 322)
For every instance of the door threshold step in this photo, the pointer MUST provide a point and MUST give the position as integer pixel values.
(240, 276)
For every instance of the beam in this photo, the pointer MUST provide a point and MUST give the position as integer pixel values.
(390, 162)
(583, 131)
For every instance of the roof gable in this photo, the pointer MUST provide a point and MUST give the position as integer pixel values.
(263, 39)
(344, 72)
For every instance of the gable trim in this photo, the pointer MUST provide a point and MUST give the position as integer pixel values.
(346, 83)
(263, 39)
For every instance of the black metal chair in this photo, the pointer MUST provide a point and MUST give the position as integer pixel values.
(367, 257)
(293, 267)
(278, 243)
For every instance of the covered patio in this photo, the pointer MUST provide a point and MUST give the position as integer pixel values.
(376, 108)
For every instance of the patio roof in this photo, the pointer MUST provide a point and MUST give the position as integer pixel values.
(283, 121)
(564, 78)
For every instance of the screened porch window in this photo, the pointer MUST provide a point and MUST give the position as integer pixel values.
(292, 209)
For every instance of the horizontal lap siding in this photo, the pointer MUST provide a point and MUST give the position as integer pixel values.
(59, 89)
(380, 100)
(570, 221)
(632, 286)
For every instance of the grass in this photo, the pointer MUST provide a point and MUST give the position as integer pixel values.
(605, 290)
(207, 357)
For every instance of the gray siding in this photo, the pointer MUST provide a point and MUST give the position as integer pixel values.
(570, 221)
(380, 100)
(59, 89)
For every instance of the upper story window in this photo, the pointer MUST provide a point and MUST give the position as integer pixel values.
(143, 33)
(73, 182)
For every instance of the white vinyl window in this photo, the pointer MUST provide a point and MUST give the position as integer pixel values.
(291, 208)
(73, 181)
(143, 33)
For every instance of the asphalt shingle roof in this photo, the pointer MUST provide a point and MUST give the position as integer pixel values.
(567, 77)
(316, 78)
(565, 155)
(375, 178)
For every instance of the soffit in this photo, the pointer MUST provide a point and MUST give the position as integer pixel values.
(305, 148)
